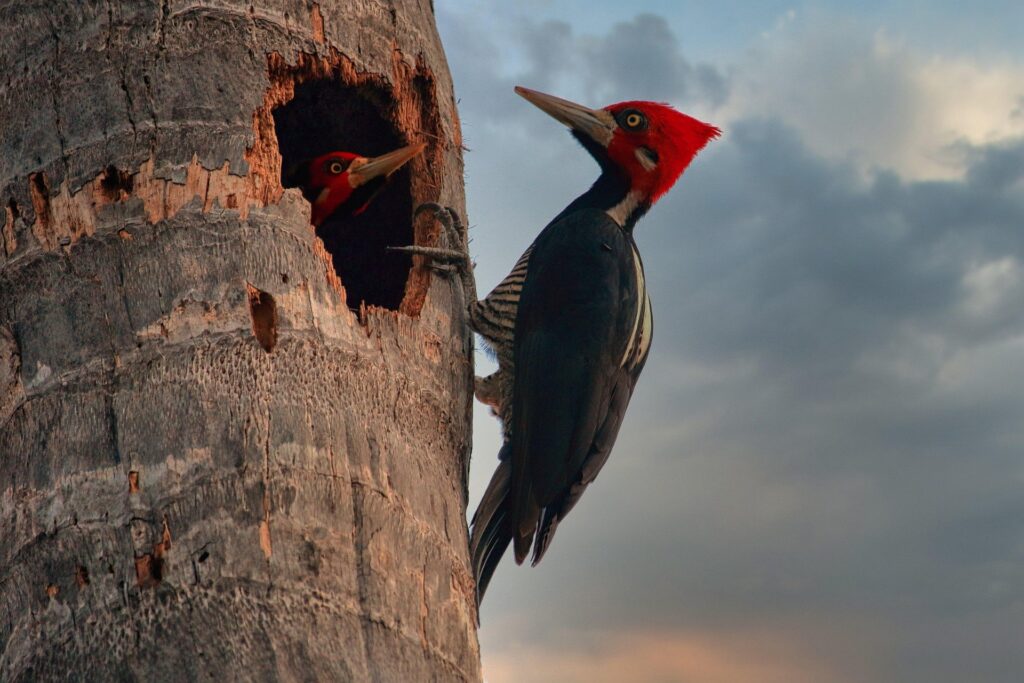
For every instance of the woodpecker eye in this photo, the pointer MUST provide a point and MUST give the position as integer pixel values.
(335, 166)
(632, 120)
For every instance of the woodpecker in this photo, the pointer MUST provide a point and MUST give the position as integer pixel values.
(342, 184)
(571, 324)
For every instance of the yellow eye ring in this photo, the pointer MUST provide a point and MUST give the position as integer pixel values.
(336, 167)
(633, 120)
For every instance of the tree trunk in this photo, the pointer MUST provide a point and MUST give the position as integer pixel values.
(228, 449)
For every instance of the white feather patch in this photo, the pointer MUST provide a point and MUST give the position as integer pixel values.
(621, 211)
(645, 160)
(641, 308)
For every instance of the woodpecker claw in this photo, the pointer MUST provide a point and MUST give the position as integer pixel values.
(436, 253)
(431, 206)
(448, 218)
(454, 254)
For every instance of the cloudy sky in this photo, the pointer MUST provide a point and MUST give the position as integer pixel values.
(821, 476)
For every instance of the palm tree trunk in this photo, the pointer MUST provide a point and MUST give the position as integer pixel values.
(228, 449)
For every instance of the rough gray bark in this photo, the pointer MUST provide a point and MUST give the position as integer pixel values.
(209, 465)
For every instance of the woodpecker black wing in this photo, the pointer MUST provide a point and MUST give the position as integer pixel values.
(581, 336)
(592, 464)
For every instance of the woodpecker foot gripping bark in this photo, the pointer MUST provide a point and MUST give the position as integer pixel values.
(454, 255)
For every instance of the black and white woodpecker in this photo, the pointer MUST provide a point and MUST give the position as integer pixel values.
(570, 325)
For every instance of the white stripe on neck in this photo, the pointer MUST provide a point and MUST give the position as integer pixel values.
(641, 306)
(621, 211)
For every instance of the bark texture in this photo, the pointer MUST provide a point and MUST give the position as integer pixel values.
(210, 466)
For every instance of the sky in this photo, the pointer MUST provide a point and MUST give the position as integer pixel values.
(821, 474)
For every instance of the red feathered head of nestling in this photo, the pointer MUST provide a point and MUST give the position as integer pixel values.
(343, 181)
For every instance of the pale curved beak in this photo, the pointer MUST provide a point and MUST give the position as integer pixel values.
(384, 165)
(595, 123)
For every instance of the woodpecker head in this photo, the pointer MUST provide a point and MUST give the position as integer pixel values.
(648, 144)
(343, 181)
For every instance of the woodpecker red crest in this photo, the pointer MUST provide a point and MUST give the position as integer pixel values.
(650, 143)
(654, 144)
(343, 179)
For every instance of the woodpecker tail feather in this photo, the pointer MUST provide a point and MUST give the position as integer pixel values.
(545, 532)
(490, 536)
(495, 546)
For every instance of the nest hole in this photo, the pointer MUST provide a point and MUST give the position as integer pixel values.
(116, 184)
(328, 116)
(149, 570)
(81, 576)
(263, 310)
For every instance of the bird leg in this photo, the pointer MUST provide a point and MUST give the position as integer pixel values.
(455, 252)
